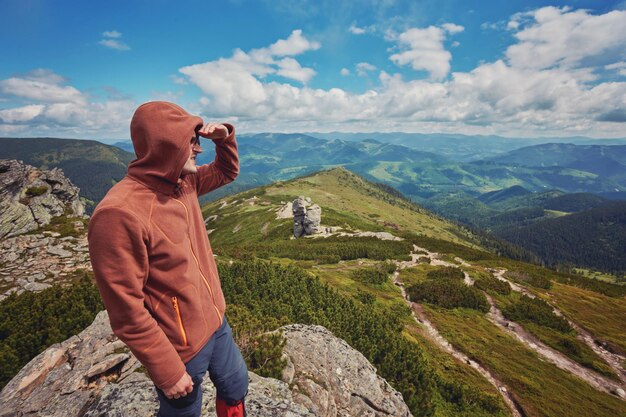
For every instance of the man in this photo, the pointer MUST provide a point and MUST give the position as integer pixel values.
(154, 265)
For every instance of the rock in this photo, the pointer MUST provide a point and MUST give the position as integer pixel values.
(93, 374)
(334, 378)
(306, 221)
(59, 251)
(30, 198)
(36, 286)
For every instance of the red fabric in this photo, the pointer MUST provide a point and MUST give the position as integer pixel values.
(223, 409)
(149, 248)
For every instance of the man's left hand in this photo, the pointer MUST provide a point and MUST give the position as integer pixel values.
(213, 131)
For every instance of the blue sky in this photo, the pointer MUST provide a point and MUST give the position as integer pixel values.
(512, 68)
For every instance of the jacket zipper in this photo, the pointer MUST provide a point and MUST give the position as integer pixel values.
(219, 316)
(180, 320)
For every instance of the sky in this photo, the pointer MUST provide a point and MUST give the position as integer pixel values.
(79, 69)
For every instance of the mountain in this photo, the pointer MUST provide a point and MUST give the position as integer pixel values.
(454, 328)
(502, 195)
(91, 165)
(576, 229)
(419, 173)
(461, 148)
(594, 238)
(599, 159)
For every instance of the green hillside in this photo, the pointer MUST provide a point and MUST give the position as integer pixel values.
(244, 226)
(347, 201)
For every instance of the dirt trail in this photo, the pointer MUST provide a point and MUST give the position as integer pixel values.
(561, 361)
(431, 332)
(593, 378)
(614, 360)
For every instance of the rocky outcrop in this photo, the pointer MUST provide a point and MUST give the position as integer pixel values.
(306, 217)
(33, 262)
(93, 374)
(332, 379)
(30, 197)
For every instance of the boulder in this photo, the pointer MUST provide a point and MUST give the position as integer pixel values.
(30, 197)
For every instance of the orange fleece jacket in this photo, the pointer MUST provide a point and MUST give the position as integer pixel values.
(149, 247)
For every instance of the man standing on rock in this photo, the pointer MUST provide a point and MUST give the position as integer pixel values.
(154, 266)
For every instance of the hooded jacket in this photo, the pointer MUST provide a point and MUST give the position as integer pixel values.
(149, 247)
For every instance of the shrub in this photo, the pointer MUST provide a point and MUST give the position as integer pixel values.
(446, 272)
(376, 275)
(536, 311)
(36, 191)
(534, 280)
(490, 283)
(448, 293)
(30, 322)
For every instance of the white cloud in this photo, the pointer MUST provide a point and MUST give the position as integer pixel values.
(269, 89)
(362, 68)
(227, 80)
(290, 68)
(41, 85)
(21, 114)
(294, 45)
(55, 108)
(619, 66)
(112, 40)
(424, 49)
(113, 44)
(112, 34)
(355, 30)
(551, 37)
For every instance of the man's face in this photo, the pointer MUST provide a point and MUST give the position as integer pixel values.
(194, 149)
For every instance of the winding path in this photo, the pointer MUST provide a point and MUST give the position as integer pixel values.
(596, 380)
(420, 317)
(614, 360)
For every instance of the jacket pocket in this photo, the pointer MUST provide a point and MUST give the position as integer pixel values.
(180, 320)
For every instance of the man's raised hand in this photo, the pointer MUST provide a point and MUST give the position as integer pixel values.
(213, 131)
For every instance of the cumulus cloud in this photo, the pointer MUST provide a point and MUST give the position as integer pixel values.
(53, 106)
(620, 67)
(538, 87)
(495, 97)
(551, 37)
(423, 49)
(355, 30)
(111, 39)
(41, 85)
(362, 68)
(227, 80)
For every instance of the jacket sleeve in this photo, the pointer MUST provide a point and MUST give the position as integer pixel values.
(119, 257)
(223, 169)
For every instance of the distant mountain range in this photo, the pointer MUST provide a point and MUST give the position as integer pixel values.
(419, 174)
(462, 148)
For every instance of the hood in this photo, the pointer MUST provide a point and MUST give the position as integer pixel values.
(160, 132)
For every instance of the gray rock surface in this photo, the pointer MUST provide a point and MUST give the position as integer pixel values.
(30, 197)
(32, 262)
(332, 379)
(306, 217)
(94, 374)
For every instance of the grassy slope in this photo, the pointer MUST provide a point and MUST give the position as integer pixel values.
(540, 387)
(345, 198)
(352, 203)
